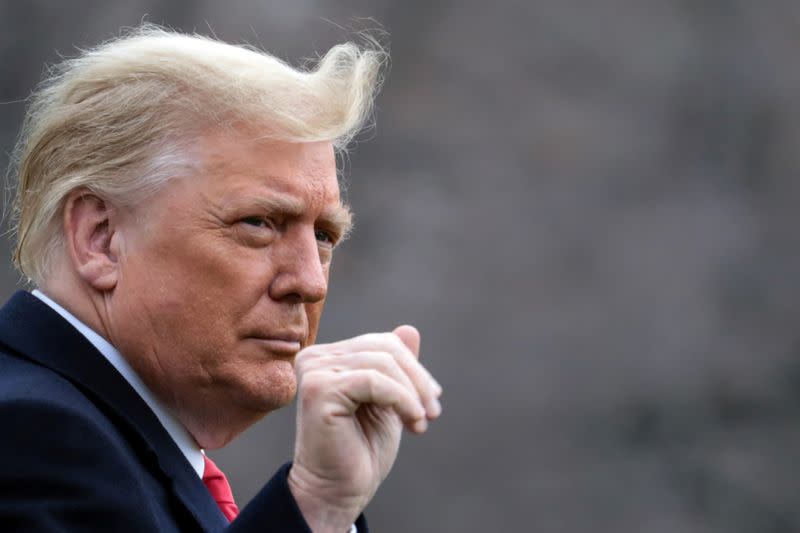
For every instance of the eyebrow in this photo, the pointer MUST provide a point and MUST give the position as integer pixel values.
(337, 218)
(340, 219)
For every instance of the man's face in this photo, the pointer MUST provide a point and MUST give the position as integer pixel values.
(223, 275)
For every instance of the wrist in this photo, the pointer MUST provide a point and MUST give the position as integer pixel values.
(323, 508)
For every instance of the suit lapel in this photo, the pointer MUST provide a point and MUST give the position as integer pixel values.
(34, 330)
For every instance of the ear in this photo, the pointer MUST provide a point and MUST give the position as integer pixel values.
(90, 230)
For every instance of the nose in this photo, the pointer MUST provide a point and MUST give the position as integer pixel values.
(301, 276)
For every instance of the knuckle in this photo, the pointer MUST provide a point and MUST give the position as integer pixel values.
(384, 339)
(373, 339)
(399, 348)
(376, 383)
(372, 375)
(382, 360)
(369, 378)
(395, 342)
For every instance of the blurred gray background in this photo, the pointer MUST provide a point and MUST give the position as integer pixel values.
(589, 210)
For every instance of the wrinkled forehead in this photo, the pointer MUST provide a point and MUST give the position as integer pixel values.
(240, 151)
(297, 179)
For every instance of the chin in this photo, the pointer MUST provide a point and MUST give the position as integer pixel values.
(271, 388)
(239, 400)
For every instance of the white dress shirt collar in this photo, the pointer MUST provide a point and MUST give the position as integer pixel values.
(175, 429)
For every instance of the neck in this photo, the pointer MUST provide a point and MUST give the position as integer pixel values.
(84, 303)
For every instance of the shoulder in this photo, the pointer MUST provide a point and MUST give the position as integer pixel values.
(37, 392)
(41, 410)
(61, 455)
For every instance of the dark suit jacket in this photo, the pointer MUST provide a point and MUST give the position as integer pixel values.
(81, 451)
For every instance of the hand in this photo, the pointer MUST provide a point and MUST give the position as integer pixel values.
(354, 398)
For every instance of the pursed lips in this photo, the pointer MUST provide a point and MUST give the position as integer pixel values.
(284, 342)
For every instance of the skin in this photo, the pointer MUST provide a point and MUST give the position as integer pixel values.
(213, 291)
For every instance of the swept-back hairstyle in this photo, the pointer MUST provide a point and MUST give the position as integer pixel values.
(119, 118)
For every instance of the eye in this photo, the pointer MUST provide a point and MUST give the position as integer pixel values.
(258, 230)
(257, 222)
(324, 236)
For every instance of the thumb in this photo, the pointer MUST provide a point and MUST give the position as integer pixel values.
(410, 337)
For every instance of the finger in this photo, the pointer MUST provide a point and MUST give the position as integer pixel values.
(410, 337)
(427, 387)
(389, 342)
(381, 361)
(369, 386)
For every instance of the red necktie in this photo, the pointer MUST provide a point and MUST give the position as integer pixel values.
(220, 490)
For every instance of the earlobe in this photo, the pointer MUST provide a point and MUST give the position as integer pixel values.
(90, 231)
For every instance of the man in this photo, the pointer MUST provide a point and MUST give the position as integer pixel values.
(177, 210)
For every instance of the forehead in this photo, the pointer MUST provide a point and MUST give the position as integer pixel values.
(238, 166)
(234, 153)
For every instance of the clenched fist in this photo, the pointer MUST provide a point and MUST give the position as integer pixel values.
(354, 398)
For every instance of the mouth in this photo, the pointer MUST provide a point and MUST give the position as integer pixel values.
(288, 343)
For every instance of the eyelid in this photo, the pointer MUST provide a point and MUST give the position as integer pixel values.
(331, 238)
(333, 234)
(257, 218)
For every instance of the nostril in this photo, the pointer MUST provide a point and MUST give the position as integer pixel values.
(293, 299)
(294, 289)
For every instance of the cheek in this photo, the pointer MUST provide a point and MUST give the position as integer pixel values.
(313, 312)
(188, 299)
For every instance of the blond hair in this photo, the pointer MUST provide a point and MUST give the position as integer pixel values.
(118, 119)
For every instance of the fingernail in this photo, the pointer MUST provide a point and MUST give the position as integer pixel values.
(420, 425)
